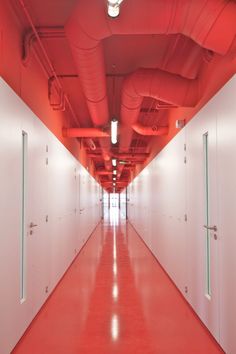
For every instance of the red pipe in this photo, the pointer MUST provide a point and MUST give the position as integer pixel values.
(84, 133)
(91, 133)
(149, 131)
(129, 156)
(51, 68)
(104, 173)
(118, 183)
(43, 32)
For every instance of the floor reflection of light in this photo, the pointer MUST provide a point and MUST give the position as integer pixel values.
(114, 327)
(115, 292)
(114, 252)
(115, 269)
(114, 245)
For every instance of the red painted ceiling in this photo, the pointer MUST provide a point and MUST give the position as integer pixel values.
(159, 61)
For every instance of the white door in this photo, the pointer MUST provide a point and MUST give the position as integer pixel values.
(202, 224)
(84, 217)
(37, 252)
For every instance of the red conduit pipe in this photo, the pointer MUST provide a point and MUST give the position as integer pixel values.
(52, 70)
(149, 131)
(129, 156)
(124, 156)
(119, 183)
(43, 32)
(84, 133)
(104, 173)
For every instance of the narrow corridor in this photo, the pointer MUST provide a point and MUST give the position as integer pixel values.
(115, 298)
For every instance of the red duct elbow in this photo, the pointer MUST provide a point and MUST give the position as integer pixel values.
(160, 85)
(157, 84)
(149, 131)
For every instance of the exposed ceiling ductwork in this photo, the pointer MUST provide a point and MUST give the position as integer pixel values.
(200, 20)
(154, 65)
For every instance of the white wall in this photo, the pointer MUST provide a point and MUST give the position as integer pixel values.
(169, 188)
(61, 190)
(123, 203)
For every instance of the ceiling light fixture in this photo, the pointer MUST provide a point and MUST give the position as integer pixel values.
(114, 178)
(113, 8)
(114, 131)
(114, 172)
(114, 162)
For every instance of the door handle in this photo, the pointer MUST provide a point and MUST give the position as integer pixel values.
(213, 228)
(31, 225)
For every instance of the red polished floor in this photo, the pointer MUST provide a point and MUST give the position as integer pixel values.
(115, 298)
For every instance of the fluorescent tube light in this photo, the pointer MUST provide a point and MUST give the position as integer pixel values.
(113, 8)
(114, 131)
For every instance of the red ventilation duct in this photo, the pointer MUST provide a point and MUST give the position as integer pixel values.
(149, 131)
(155, 83)
(201, 20)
